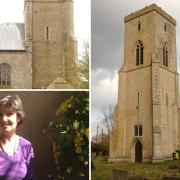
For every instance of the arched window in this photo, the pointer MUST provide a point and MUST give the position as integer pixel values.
(165, 55)
(139, 53)
(5, 74)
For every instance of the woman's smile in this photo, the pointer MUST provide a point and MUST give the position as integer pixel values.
(6, 124)
(16, 153)
(8, 119)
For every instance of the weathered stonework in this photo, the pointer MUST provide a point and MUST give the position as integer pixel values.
(50, 49)
(21, 77)
(148, 94)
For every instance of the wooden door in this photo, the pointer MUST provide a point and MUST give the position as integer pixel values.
(138, 152)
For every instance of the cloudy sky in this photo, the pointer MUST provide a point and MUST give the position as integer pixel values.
(107, 46)
(12, 11)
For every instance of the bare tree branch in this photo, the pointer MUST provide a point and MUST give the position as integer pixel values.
(107, 118)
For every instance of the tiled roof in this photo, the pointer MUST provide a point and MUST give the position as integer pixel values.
(12, 36)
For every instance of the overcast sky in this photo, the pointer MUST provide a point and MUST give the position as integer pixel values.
(107, 46)
(12, 11)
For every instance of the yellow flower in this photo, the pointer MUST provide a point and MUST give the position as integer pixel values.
(76, 125)
(56, 153)
(78, 139)
(87, 133)
(64, 106)
(78, 150)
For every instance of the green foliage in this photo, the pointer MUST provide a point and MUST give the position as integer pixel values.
(70, 137)
(83, 68)
(101, 147)
(103, 169)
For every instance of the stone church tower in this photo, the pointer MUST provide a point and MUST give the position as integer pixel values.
(42, 52)
(49, 35)
(146, 123)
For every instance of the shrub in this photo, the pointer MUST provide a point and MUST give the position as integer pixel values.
(70, 137)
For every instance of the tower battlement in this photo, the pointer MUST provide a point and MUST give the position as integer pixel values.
(147, 9)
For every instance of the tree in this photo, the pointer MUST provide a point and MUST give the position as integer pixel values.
(101, 140)
(70, 138)
(102, 146)
(107, 118)
(83, 67)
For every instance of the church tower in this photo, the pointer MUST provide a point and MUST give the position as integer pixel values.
(49, 36)
(146, 116)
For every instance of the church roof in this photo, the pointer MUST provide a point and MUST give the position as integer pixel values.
(147, 9)
(12, 36)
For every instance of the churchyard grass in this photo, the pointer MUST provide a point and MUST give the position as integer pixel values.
(103, 169)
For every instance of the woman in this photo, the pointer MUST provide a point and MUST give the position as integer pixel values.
(16, 153)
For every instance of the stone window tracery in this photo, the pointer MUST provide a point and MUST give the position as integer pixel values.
(139, 53)
(165, 55)
(5, 74)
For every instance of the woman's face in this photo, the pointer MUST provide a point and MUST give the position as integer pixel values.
(8, 119)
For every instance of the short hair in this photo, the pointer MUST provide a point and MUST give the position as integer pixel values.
(14, 102)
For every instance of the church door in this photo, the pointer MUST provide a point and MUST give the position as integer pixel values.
(138, 152)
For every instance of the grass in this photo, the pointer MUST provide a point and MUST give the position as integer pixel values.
(103, 169)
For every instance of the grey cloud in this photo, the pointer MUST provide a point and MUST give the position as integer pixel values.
(107, 34)
(102, 74)
(108, 41)
(108, 28)
(104, 89)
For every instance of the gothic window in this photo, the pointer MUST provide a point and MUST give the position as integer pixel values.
(138, 130)
(5, 74)
(165, 55)
(139, 25)
(139, 53)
